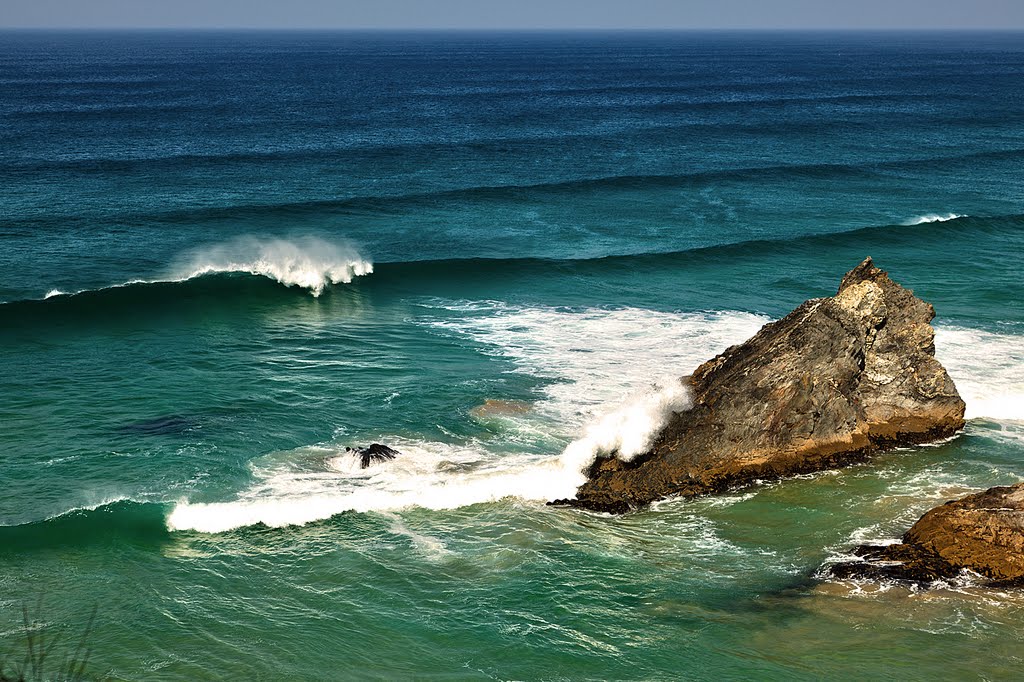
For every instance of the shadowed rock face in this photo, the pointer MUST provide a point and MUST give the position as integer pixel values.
(983, 533)
(833, 381)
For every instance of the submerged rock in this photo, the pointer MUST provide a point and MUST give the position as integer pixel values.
(983, 533)
(374, 453)
(835, 380)
(500, 408)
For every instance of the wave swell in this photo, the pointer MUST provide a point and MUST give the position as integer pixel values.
(314, 263)
(309, 263)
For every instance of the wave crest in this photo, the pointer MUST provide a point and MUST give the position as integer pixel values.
(307, 262)
(933, 218)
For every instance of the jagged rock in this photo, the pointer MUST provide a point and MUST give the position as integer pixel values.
(374, 453)
(983, 533)
(835, 380)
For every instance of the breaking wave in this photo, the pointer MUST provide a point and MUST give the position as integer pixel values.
(933, 218)
(314, 263)
(308, 262)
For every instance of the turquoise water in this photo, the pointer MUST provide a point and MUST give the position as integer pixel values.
(226, 257)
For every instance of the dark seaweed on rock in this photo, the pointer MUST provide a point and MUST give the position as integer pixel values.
(832, 382)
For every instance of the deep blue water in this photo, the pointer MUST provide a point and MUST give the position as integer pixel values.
(226, 256)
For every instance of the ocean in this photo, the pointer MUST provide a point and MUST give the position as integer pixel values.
(227, 256)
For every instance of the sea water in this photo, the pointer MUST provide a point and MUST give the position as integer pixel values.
(226, 257)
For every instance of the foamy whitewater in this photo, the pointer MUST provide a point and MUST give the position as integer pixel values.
(988, 370)
(617, 381)
(308, 262)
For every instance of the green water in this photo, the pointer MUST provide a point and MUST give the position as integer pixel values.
(191, 335)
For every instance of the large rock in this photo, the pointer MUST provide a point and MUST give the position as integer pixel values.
(835, 380)
(983, 533)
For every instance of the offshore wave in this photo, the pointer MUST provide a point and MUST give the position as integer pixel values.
(635, 96)
(797, 171)
(235, 269)
(933, 218)
(314, 264)
(879, 236)
(309, 263)
(359, 148)
(556, 187)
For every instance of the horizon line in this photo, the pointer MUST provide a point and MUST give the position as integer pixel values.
(539, 29)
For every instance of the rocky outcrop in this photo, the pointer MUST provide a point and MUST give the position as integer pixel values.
(982, 533)
(374, 453)
(833, 381)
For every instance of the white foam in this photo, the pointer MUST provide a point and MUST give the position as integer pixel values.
(422, 476)
(307, 262)
(601, 357)
(933, 218)
(988, 369)
(54, 292)
(602, 401)
(608, 358)
(604, 360)
(627, 431)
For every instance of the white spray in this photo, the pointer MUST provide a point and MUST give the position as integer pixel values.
(933, 218)
(307, 262)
